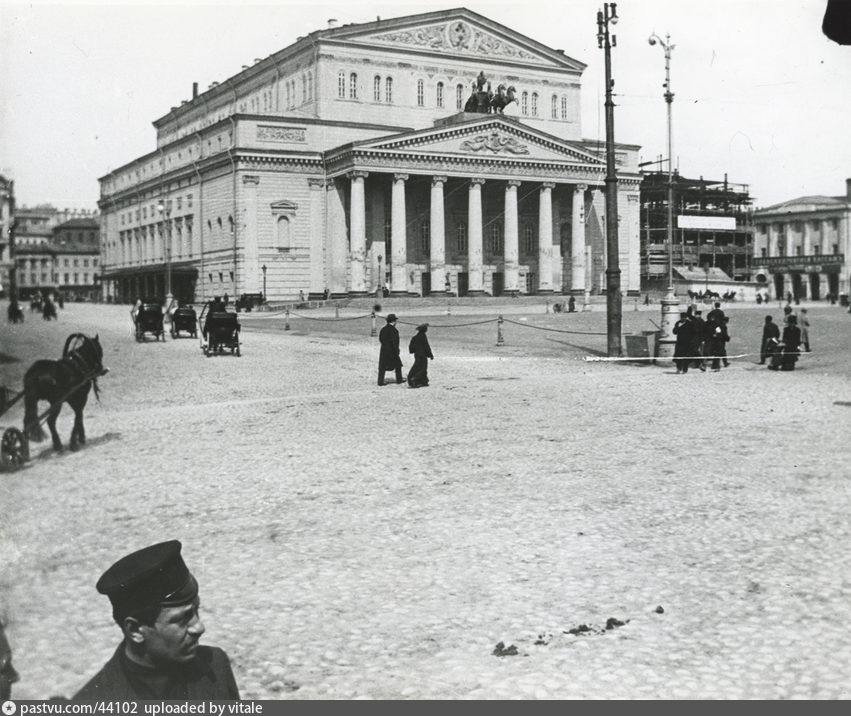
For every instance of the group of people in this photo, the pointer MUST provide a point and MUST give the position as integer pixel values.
(782, 352)
(700, 341)
(390, 359)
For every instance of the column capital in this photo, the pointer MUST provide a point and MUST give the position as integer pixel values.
(580, 188)
(477, 180)
(357, 175)
(548, 185)
(315, 182)
(513, 183)
(438, 179)
(400, 177)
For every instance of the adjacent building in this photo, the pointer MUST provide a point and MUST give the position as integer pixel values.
(713, 234)
(803, 247)
(7, 217)
(370, 155)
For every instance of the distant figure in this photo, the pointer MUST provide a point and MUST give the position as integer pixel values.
(15, 314)
(769, 330)
(8, 675)
(216, 306)
(388, 357)
(571, 305)
(226, 299)
(714, 346)
(60, 299)
(48, 311)
(716, 314)
(155, 604)
(791, 344)
(758, 299)
(326, 293)
(421, 350)
(647, 299)
(301, 296)
(805, 330)
(684, 331)
(788, 312)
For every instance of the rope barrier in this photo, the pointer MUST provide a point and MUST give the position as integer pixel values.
(596, 359)
(450, 325)
(554, 330)
(348, 318)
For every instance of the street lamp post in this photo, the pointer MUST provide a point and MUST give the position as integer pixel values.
(608, 15)
(380, 290)
(263, 269)
(164, 207)
(670, 303)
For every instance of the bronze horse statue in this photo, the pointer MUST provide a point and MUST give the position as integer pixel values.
(504, 96)
(67, 380)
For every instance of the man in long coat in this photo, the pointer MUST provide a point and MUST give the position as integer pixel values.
(388, 357)
(155, 603)
(684, 331)
(769, 330)
(418, 375)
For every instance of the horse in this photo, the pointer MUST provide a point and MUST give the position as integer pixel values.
(503, 97)
(67, 380)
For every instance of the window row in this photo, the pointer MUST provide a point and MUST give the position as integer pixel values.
(306, 90)
(45, 277)
(156, 210)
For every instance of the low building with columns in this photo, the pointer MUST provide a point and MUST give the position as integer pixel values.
(803, 247)
(351, 161)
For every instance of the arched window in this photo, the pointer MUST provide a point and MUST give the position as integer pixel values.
(461, 237)
(564, 106)
(420, 93)
(341, 84)
(309, 86)
(353, 85)
(230, 225)
(283, 236)
(524, 103)
(303, 88)
(555, 107)
(459, 97)
(439, 94)
(388, 90)
(496, 238)
(376, 89)
(534, 104)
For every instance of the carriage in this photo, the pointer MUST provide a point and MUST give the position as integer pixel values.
(148, 318)
(220, 330)
(69, 379)
(184, 319)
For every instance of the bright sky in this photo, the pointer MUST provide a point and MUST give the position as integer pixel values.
(760, 93)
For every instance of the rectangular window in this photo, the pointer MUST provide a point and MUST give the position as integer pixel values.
(764, 252)
(76, 276)
(341, 85)
(67, 262)
(76, 262)
(420, 93)
(85, 278)
(425, 237)
(66, 277)
(461, 237)
(835, 249)
(85, 262)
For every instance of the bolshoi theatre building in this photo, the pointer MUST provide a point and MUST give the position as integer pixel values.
(430, 154)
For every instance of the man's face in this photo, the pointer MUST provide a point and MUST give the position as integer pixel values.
(175, 634)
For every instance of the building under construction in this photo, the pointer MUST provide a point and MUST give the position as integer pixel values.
(712, 228)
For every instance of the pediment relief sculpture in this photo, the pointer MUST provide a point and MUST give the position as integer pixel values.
(494, 142)
(456, 36)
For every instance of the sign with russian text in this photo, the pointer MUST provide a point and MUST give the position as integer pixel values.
(713, 223)
(817, 263)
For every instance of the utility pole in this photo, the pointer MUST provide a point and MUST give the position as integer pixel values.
(608, 15)
(670, 303)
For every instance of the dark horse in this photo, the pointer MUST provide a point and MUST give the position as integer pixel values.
(67, 380)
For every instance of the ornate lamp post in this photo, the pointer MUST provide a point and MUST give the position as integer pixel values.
(164, 208)
(263, 269)
(670, 303)
(605, 17)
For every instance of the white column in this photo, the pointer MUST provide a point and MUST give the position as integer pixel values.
(545, 238)
(511, 247)
(336, 240)
(772, 240)
(399, 237)
(438, 237)
(357, 219)
(474, 247)
(252, 278)
(577, 242)
(317, 254)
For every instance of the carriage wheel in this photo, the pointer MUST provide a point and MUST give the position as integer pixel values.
(73, 342)
(14, 450)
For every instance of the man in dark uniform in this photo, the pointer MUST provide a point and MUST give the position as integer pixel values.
(388, 357)
(155, 602)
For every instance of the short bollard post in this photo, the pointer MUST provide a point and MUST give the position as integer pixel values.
(287, 319)
(500, 341)
(547, 310)
(337, 310)
(372, 332)
(448, 308)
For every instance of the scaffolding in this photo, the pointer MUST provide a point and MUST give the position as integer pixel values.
(728, 249)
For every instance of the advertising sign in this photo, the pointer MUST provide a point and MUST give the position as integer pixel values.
(713, 223)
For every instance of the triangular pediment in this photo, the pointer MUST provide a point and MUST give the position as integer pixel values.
(491, 137)
(458, 32)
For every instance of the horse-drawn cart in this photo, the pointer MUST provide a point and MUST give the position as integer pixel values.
(66, 380)
(148, 318)
(184, 319)
(219, 329)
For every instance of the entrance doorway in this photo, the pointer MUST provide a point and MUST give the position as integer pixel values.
(463, 283)
(797, 286)
(498, 283)
(778, 286)
(815, 287)
(425, 277)
(833, 285)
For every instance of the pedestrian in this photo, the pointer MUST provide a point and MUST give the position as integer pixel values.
(326, 293)
(155, 603)
(388, 356)
(8, 675)
(791, 344)
(716, 313)
(805, 330)
(758, 298)
(571, 305)
(769, 330)
(421, 350)
(698, 339)
(684, 331)
(716, 337)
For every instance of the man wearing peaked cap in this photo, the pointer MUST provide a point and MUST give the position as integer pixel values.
(155, 603)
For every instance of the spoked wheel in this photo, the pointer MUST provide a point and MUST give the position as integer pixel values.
(73, 342)
(14, 450)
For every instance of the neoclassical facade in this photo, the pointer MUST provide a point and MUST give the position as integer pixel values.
(346, 162)
(803, 246)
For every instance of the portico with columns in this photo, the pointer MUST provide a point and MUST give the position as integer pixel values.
(477, 206)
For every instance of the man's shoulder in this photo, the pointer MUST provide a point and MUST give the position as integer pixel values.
(108, 683)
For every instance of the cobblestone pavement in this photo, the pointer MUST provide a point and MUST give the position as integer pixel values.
(361, 542)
